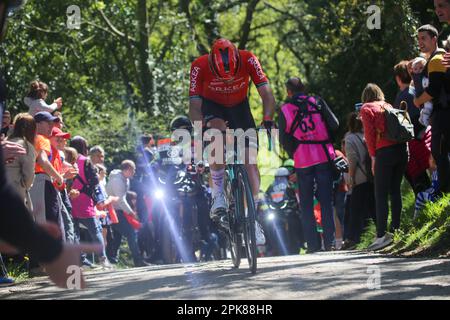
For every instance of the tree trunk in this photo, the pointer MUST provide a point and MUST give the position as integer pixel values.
(184, 7)
(144, 57)
(247, 23)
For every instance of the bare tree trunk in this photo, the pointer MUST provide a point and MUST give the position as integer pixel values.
(144, 56)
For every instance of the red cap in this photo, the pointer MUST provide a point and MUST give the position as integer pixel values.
(57, 132)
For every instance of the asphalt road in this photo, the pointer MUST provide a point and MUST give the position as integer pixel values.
(340, 275)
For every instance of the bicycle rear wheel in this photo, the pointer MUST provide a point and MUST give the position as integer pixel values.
(248, 216)
(234, 237)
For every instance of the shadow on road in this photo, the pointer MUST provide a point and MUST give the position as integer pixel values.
(333, 276)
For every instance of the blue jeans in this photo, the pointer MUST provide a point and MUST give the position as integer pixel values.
(123, 228)
(94, 229)
(321, 175)
(339, 205)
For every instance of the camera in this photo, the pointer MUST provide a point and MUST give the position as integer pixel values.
(341, 164)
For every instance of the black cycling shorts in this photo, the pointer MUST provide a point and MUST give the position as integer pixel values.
(237, 117)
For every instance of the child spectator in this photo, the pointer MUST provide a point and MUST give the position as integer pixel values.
(421, 82)
(102, 209)
(35, 99)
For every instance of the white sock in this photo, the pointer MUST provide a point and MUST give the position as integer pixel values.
(217, 181)
(338, 243)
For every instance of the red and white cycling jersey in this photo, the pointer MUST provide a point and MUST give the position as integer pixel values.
(206, 85)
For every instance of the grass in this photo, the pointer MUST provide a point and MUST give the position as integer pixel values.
(17, 270)
(427, 235)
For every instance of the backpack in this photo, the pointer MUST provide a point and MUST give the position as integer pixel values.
(91, 187)
(339, 165)
(399, 127)
(367, 171)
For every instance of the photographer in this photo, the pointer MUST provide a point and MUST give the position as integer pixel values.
(304, 133)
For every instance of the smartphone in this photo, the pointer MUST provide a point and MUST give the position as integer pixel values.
(358, 106)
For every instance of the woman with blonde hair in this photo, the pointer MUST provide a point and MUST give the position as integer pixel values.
(389, 160)
(21, 171)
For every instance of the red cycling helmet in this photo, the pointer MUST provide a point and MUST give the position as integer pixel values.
(224, 59)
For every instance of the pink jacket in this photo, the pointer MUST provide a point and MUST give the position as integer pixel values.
(82, 206)
(312, 128)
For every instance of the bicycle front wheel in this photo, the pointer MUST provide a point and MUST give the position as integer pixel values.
(248, 214)
(234, 237)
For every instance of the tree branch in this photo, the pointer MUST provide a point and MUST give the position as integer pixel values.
(229, 5)
(268, 24)
(247, 23)
(113, 29)
(167, 45)
(299, 57)
(122, 69)
(155, 18)
(184, 7)
(144, 55)
(43, 30)
(301, 26)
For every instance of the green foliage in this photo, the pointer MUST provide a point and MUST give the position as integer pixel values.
(120, 75)
(426, 234)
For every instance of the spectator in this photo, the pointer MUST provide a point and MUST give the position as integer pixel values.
(420, 84)
(340, 190)
(103, 210)
(442, 9)
(20, 172)
(360, 181)
(83, 206)
(118, 186)
(35, 99)
(416, 171)
(446, 44)
(71, 155)
(428, 195)
(102, 214)
(6, 124)
(142, 184)
(389, 160)
(58, 142)
(60, 123)
(438, 92)
(312, 161)
(97, 155)
(43, 193)
(18, 230)
(403, 80)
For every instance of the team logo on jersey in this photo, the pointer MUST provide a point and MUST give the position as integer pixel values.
(227, 89)
(194, 75)
(255, 63)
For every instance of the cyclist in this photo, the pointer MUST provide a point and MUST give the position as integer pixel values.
(219, 83)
